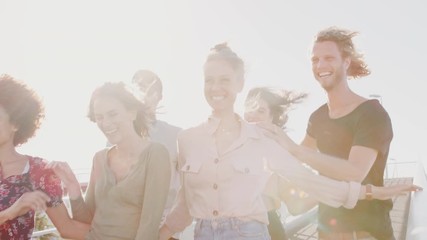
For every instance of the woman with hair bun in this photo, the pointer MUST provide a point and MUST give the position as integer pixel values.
(226, 162)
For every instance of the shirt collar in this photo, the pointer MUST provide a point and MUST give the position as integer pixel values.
(248, 130)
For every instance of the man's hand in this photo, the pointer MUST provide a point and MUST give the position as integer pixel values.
(279, 135)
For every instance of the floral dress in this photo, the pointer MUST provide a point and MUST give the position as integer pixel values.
(13, 187)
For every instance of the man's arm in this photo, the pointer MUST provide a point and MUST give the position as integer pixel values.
(356, 168)
(309, 142)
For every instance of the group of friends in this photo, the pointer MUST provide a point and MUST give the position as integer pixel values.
(229, 174)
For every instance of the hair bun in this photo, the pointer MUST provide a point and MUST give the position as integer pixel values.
(220, 47)
(222, 52)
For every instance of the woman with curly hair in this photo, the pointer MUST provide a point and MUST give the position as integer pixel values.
(25, 185)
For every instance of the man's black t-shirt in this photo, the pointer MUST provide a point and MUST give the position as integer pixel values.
(367, 125)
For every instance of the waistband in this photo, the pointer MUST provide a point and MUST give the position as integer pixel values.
(355, 235)
(224, 222)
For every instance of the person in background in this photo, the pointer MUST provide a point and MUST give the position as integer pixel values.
(271, 106)
(226, 162)
(151, 89)
(25, 185)
(129, 181)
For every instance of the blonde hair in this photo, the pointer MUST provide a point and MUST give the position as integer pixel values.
(343, 38)
(224, 53)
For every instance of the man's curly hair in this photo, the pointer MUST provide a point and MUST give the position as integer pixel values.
(343, 38)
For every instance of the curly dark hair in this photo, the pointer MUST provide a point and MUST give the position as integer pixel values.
(120, 92)
(24, 107)
(343, 39)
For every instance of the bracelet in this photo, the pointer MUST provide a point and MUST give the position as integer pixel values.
(368, 193)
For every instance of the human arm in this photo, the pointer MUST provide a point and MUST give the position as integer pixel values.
(179, 217)
(5, 215)
(50, 183)
(35, 200)
(388, 192)
(350, 146)
(155, 193)
(296, 200)
(66, 226)
(355, 168)
(82, 209)
(309, 142)
(64, 172)
(378, 192)
(328, 191)
(165, 233)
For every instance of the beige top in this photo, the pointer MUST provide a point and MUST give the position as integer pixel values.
(232, 184)
(166, 134)
(131, 208)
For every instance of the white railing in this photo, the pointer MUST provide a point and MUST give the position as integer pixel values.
(37, 234)
(296, 223)
(44, 232)
(417, 225)
(395, 169)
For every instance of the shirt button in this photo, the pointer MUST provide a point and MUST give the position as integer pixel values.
(215, 213)
(216, 160)
(246, 170)
(215, 186)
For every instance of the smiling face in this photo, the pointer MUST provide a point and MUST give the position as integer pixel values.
(222, 84)
(257, 110)
(113, 119)
(328, 66)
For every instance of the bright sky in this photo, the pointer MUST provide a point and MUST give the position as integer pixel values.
(64, 49)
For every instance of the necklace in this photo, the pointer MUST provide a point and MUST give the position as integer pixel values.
(230, 127)
(226, 131)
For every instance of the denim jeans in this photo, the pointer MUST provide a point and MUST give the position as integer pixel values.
(230, 228)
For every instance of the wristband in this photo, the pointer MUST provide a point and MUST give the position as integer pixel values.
(368, 193)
